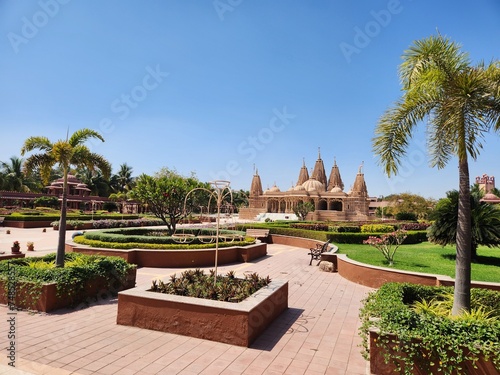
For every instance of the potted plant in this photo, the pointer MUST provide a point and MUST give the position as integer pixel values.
(31, 246)
(16, 249)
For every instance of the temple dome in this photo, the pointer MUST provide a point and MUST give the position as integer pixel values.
(336, 189)
(299, 188)
(313, 185)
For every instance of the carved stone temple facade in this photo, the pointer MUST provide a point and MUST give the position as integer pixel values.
(327, 195)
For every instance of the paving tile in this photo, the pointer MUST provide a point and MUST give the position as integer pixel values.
(317, 334)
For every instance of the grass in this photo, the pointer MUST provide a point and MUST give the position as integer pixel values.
(429, 258)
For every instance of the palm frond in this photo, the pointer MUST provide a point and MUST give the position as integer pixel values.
(80, 136)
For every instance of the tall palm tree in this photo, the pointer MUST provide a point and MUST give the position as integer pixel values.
(123, 180)
(94, 180)
(65, 153)
(13, 177)
(461, 103)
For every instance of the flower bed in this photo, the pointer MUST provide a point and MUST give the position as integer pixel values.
(406, 328)
(36, 284)
(233, 323)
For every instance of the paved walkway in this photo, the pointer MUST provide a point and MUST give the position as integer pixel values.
(316, 335)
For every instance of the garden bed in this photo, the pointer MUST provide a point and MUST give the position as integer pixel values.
(232, 323)
(46, 289)
(185, 258)
(407, 328)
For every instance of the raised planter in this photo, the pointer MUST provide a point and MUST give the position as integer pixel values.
(232, 323)
(379, 367)
(178, 258)
(48, 299)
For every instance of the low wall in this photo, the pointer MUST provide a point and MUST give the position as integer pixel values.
(232, 323)
(27, 224)
(184, 258)
(48, 299)
(373, 276)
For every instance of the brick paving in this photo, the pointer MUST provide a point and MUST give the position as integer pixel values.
(318, 334)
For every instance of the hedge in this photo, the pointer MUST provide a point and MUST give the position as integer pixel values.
(348, 238)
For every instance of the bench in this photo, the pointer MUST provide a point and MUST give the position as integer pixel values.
(316, 252)
(257, 233)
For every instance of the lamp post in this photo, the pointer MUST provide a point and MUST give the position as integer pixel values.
(219, 193)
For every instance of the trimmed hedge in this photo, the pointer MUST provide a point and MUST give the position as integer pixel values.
(148, 238)
(350, 238)
(377, 228)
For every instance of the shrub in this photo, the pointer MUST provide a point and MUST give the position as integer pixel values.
(310, 226)
(407, 216)
(427, 339)
(377, 228)
(414, 226)
(71, 279)
(194, 283)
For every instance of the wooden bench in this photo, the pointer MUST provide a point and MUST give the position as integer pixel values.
(257, 233)
(316, 252)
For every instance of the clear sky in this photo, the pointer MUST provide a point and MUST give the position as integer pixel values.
(221, 87)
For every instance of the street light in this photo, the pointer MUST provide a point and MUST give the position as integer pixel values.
(219, 193)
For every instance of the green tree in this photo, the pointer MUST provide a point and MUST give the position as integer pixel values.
(64, 153)
(94, 180)
(123, 180)
(165, 195)
(485, 221)
(410, 203)
(13, 177)
(302, 209)
(461, 102)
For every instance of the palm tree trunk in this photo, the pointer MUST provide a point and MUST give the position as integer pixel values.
(62, 224)
(461, 301)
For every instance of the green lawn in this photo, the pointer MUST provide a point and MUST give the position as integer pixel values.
(428, 258)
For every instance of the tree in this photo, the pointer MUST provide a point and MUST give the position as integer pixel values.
(302, 209)
(123, 180)
(410, 203)
(13, 177)
(64, 153)
(165, 194)
(94, 180)
(485, 222)
(461, 102)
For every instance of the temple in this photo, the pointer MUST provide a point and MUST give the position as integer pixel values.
(327, 195)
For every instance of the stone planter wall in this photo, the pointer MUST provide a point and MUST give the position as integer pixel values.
(178, 258)
(48, 300)
(233, 323)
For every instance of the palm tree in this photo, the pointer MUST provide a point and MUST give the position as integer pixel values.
(461, 103)
(123, 180)
(485, 222)
(13, 177)
(94, 180)
(65, 153)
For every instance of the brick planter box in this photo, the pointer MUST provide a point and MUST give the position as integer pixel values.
(177, 258)
(48, 300)
(232, 323)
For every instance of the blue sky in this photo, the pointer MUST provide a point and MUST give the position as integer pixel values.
(220, 87)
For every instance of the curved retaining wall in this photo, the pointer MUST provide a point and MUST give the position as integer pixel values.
(372, 276)
(178, 258)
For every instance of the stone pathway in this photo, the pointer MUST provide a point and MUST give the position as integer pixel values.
(316, 335)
